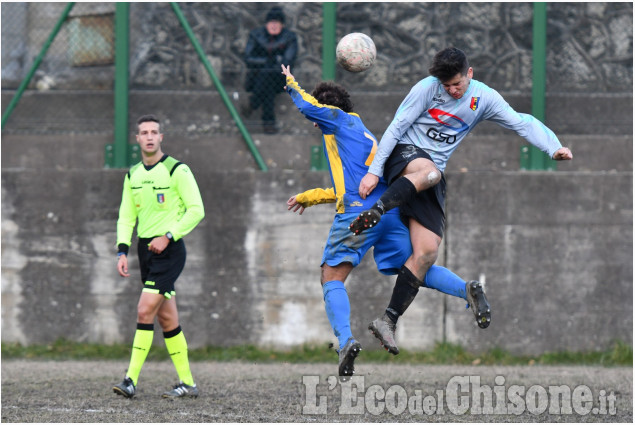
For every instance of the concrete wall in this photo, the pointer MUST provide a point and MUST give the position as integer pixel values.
(554, 249)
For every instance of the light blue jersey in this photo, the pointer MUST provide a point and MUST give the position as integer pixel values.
(436, 122)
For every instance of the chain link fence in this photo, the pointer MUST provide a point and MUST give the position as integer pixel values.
(84, 44)
(589, 51)
(62, 48)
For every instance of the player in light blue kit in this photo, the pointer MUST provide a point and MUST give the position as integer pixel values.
(429, 125)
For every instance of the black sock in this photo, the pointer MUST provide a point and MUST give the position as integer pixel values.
(404, 292)
(396, 194)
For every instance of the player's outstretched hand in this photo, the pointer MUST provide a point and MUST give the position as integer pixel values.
(293, 203)
(563, 154)
(287, 71)
(367, 185)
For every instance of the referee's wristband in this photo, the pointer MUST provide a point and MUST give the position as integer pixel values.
(119, 254)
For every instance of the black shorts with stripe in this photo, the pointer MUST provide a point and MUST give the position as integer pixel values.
(160, 271)
(428, 206)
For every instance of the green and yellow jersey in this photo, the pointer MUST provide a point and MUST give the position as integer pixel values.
(162, 198)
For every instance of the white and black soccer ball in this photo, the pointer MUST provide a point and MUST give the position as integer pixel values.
(356, 52)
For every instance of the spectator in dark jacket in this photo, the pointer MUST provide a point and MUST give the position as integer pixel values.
(268, 47)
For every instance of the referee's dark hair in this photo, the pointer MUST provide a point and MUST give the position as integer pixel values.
(148, 118)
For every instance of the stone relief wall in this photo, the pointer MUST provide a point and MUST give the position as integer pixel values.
(589, 45)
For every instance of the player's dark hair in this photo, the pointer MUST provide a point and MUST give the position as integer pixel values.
(449, 62)
(148, 118)
(329, 93)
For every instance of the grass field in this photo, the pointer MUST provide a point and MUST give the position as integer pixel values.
(620, 354)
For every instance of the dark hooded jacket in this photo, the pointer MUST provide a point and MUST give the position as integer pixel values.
(265, 53)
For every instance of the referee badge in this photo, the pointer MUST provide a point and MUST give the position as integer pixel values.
(160, 198)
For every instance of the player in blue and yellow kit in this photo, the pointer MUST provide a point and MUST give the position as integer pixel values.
(161, 197)
(350, 148)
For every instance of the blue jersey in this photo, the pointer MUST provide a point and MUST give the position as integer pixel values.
(350, 148)
(348, 145)
(435, 121)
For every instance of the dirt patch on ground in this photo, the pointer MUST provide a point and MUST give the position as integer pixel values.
(81, 391)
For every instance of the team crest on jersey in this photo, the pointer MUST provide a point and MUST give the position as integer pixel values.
(160, 198)
(474, 103)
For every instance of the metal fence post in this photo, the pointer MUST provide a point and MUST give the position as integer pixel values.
(328, 40)
(318, 161)
(532, 158)
(120, 147)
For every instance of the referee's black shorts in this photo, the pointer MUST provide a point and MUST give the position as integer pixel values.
(428, 206)
(160, 271)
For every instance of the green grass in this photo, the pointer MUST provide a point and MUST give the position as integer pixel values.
(619, 354)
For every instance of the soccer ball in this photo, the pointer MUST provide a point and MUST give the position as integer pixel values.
(356, 52)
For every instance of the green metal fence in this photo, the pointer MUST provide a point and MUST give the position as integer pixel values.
(97, 37)
(52, 48)
(532, 158)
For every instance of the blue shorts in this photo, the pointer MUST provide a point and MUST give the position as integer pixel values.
(390, 238)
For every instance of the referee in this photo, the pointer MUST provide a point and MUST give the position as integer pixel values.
(162, 195)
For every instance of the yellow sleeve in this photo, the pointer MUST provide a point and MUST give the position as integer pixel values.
(127, 214)
(192, 201)
(316, 196)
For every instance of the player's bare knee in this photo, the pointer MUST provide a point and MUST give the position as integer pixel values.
(425, 179)
(433, 177)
